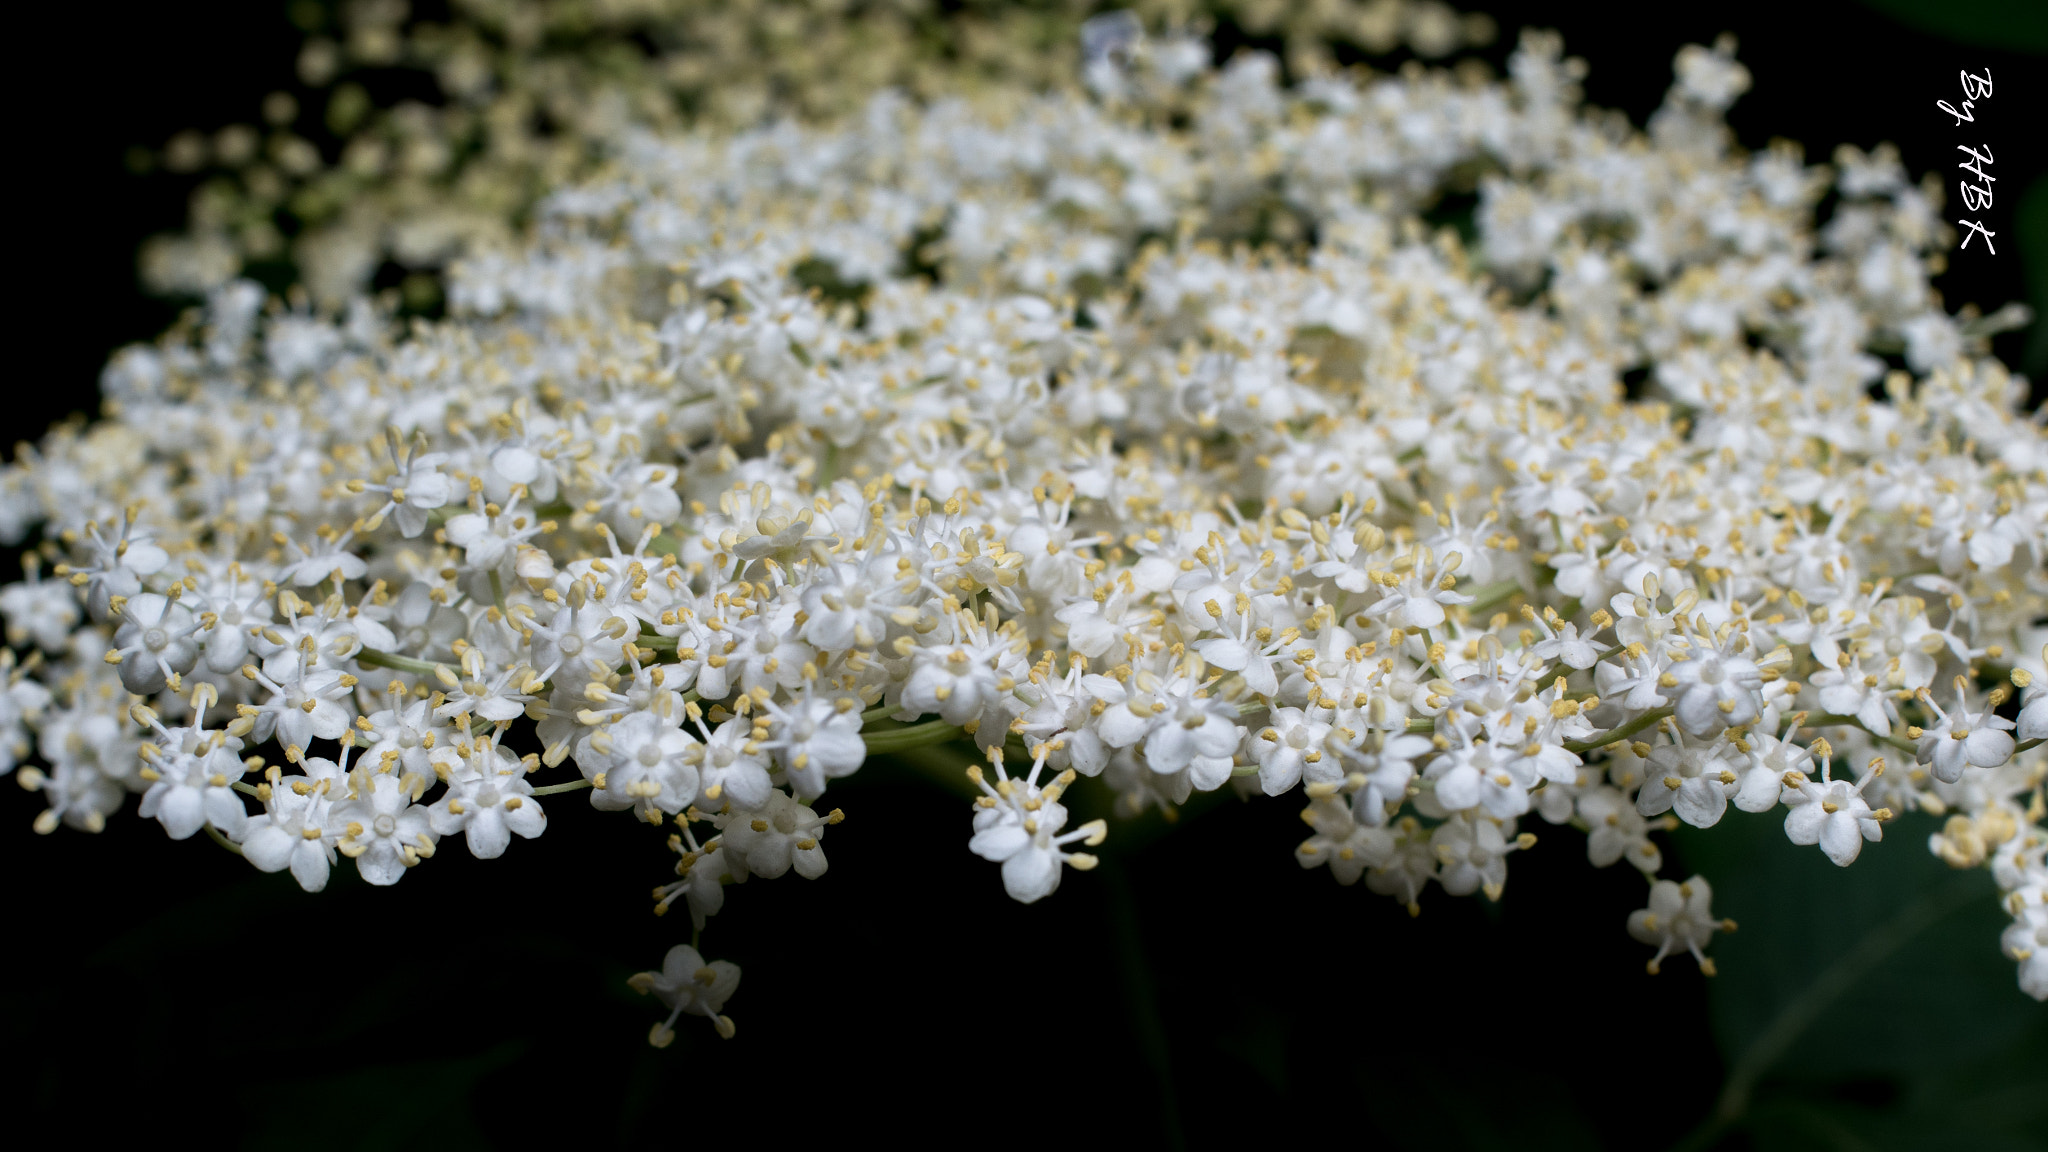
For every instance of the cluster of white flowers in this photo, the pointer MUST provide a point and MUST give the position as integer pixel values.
(521, 94)
(1142, 435)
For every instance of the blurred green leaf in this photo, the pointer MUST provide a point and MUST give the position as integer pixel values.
(417, 1104)
(2008, 25)
(1868, 1006)
(2031, 222)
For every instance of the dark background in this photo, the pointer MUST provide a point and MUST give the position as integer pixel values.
(1201, 992)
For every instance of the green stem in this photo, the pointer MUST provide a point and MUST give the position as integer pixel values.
(828, 470)
(1493, 596)
(371, 657)
(944, 765)
(1142, 999)
(214, 834)
(915, 736)
(1622, 733)
(1829, 720)
(558, 789)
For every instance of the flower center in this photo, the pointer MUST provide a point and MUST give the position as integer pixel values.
(570, 644)
(156, 639)
(385, 825)
(649, 755)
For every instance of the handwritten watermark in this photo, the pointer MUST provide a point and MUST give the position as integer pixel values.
(1976, 196)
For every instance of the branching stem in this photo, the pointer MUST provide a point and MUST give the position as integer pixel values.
(373, 658)
(558, 789)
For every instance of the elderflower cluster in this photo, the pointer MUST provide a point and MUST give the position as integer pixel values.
(1134, 436)
(526, 94)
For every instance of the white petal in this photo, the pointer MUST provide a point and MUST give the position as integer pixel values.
(1840, 839)
(1701, 801)
(1000, 842)
(487, 834)
(182, 812)
(1030, 875)
(309, 865)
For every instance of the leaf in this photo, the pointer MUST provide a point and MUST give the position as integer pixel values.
(2008, 25)
(1850, 998)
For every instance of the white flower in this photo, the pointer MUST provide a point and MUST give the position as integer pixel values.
(1477, 775)
(490, 535)
(1832, 813)
(784, 834)
(1715, 689)
(382, 829)
(1618, 831)
(1848, 690)
(1963, 738)
(734, 766)
(1293, 741)
(1340, 841)
(408, 739)
(816, 740)
(2026, 941)
(687, 984)
(652, 767)
(488, 800)
(1472, 852)
(1176, 724)
(847, 608)
(326, 560)
(1680, 915)
(1249, 653)
(1386, 764)
(1695, 779)
(295, 830)
(1017, 824)
(963, 681)
(1770, 758)
(154, 644)
(1413, 592)
(117, 565)
(485, 694)
(1411, 866)
(415, 489)
(40, 611)
(22, 702)
(303, 708)
(1562, 640)
(191, 773)
(583, 639)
